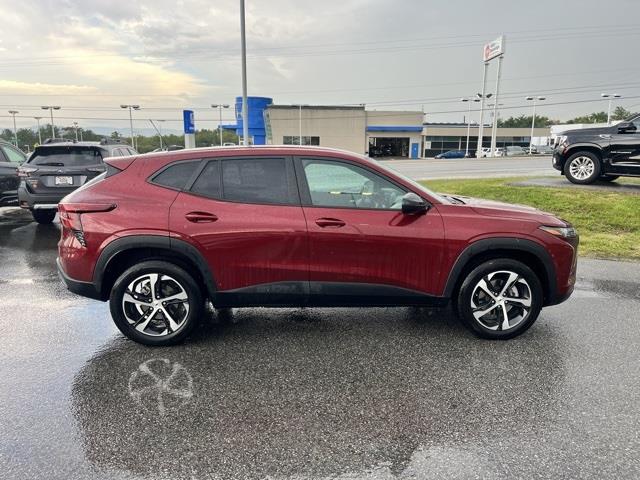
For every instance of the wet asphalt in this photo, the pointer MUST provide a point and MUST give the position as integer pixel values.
(301, 393)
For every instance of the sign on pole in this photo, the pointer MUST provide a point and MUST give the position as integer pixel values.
(493, 49)
(189, 129)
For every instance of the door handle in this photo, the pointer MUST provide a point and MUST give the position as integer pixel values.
(200, 217)
(330, 222)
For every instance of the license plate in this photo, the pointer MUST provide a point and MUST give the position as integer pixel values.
(64, 181)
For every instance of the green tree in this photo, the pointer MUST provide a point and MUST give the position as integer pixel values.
(620, 113)
(524, 121)
(596, 117)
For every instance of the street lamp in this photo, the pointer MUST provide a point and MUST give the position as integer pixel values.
(51, 108)
(468, 100)
(533, 118)
(75, 127)
(220, 107)
(39, 134)
(15, 131)
(481, 98)
(245, 107)
(610, 96)
(134, 107)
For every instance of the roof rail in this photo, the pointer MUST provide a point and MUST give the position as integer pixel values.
(55, 140)
(111, 141)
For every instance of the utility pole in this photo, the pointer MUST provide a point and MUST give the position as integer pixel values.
(15, 130)
(75, 127)
(494, 129)
(482, 96)
(245, 107)
(220, 107)
(299, 124)
(39, 133)
(130, 107)
(533, 119)
(51, 108)
(469, 101)
(610, 96)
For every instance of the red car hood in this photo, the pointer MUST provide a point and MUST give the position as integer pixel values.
(500, 209)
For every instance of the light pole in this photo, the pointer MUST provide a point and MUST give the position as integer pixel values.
(51, 108)
(468, 100)
(245, 107)
(481, 97)
(39, 134)
(134, 107)
(75, 127)
(610, 96)
(220, 107)
(15, 130)
(533, 118)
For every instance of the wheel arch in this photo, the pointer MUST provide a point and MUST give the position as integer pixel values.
(532, 254)
(583, 147)
(120, 254)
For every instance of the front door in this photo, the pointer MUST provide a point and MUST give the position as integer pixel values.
(362, 248)
(244, 214)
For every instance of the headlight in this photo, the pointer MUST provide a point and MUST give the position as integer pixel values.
(560, 140)
(563, 232)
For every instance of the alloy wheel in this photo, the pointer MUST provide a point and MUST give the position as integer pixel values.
(581, 168)
(155, 304)
(501, 300)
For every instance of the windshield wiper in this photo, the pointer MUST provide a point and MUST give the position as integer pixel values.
(51, 164)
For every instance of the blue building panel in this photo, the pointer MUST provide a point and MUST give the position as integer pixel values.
(256, 107)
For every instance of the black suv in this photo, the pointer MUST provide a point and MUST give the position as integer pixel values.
(58, 167)
(603, 153)
(10, 159)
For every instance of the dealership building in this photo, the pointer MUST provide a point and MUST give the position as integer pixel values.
(379, 133)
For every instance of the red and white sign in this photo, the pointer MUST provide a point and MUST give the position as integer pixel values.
(493, 49)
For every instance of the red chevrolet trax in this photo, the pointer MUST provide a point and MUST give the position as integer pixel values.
(160, 234)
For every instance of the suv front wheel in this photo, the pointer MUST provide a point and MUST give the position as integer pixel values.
(500, 299)
(156, 303)
(582, 168)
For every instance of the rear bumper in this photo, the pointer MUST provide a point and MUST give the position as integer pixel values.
(39, 200)
(85, 289)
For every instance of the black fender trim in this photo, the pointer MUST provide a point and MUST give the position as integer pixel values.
(131, 242)
(504, 243)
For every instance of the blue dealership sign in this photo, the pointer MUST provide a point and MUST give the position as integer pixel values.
(189, 121)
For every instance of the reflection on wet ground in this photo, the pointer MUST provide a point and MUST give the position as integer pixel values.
(313, 393)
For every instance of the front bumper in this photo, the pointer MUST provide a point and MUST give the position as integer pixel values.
(557, 162)
(85, 289)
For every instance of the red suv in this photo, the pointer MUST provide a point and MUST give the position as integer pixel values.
(159, 234)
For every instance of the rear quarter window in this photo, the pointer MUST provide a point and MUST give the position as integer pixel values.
(176, 175)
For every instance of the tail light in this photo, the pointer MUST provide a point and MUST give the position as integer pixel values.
(70, 216)
(24, 172)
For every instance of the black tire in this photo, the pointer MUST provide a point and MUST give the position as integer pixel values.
(175, 280)
(591, 164)
(44, 216)
(470, 294)
(609, 178)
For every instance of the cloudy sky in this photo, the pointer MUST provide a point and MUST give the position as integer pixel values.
(90, 56)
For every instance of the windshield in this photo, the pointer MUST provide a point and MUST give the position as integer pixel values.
(415, 184)
(66, 156)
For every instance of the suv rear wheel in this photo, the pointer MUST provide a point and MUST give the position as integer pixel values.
(156, 303)
(43, 216)
(582, 168)
(500, 299)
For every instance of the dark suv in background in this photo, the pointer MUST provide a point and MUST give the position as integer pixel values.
(10, 159)
(57, 167)
(603, 153)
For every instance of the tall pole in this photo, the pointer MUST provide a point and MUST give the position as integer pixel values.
(220, 123)
(160, 132)
(131, 126)
(466, 151)
(494, 128)
(39, 133)
(300, 125)
(15, 130)
(245, 113)
(481, 123)
(533, 124)
(75, 127)
(51, 108)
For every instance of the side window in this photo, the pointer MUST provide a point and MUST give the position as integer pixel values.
(208, 182)
(13, 155)
(257, 180)
(176, 175)
(338, 184)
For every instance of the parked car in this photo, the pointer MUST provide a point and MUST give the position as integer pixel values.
(10, 159)
(544, 150)
(500, 152)
(451, 154)
(56, 168)
(603, 153)
(514, 151)
(301, 226)
(486, 151)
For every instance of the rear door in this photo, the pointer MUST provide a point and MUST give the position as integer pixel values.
(61, 169)
(10, 159)
(625, 145)
(362, 248)
(244, 215)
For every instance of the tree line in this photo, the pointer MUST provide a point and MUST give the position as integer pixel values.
(522, 121)
(28, 138)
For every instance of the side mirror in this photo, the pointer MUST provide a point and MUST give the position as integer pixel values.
(626, 127)
(413, 204)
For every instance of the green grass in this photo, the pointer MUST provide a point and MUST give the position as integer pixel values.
(608, 223)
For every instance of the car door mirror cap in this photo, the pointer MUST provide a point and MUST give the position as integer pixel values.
(624, 127)
(413, 204)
